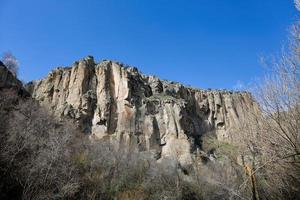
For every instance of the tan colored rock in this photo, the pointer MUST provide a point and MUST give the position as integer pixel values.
(110, 100)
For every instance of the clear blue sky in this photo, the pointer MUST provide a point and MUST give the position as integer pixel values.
(203, 43)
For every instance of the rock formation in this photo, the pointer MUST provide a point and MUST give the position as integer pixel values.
(110, 100)
(7, 79)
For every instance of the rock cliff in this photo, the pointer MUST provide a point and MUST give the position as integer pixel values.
(7, 79)
(110, 100)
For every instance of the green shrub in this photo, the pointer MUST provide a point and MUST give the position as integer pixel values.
(211, 144)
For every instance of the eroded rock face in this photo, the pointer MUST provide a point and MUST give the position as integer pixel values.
(109, 100)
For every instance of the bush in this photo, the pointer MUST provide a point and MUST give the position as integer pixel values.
(219, 148)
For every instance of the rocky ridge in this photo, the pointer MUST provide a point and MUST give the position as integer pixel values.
(112, 101)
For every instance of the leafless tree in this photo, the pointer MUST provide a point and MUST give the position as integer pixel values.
(297, 4)
(10, 61)
(48, 158)
(271, 142)
(35, 149)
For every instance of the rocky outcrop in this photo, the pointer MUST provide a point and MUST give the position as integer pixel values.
(7, 79)
(110, 100)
